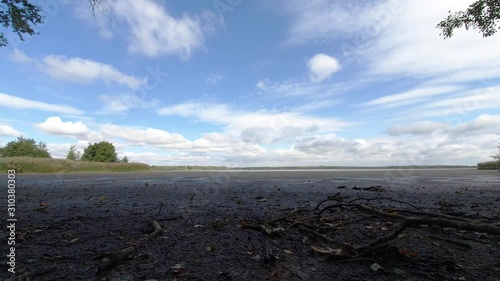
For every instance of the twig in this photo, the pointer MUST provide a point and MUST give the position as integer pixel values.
(158, 230)
(461, 244)
(122, 254)
(329, 240)
(385, 198)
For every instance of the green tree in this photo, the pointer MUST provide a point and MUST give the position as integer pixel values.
(497, 156)
(125, 159)
(482, 14)
(100, 152)
(20, 16)
(73, 153)
(25, 147)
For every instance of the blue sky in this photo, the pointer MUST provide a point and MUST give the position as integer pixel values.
(253, 83)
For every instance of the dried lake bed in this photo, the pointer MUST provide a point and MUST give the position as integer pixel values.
(72, 220)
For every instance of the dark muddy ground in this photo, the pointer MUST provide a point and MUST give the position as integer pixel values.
(69, 224)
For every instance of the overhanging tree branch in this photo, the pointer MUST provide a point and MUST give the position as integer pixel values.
(482, 15)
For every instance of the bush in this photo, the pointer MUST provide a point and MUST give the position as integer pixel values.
(490, 165)
(25, 147)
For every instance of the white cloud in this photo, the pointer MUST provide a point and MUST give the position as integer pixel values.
(21, 103)
(20, 57)
(6, 130)
(321, 67)
(411, 44)
(290, 88)
(418, 128)
(276, 126)
(86, 71)
(484, 98)
(411, 96)
(397, 38)
(153, 31)
(121, 104)
(141, 136)
(54, 125)
(324, 20)
(485, 123)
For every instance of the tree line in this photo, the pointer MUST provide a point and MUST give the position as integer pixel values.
(97, 152)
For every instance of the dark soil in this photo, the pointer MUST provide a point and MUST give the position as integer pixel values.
(70, 224)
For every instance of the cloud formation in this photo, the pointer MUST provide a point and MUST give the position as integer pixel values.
(418, 128)
(86, 71)
(22, 103)
(8, 131)
(265, 126)
(78, 70)
(54, 125)
(153, 31)
(321, 67)
(121, 104)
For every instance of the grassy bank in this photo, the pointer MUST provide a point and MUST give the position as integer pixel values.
(49, 165)
(490, 165)
(188, 167)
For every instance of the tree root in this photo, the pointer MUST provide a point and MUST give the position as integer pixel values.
(434, 219)
(406, 218)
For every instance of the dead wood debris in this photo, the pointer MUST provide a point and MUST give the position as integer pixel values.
(402, 218)
(116, 257)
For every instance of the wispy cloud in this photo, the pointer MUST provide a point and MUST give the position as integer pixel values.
(212, 79)
(22, 103)
(20, 57)
(253, 126)
(86, 71)
(473, 100)
(122, 103)
(411, 97)
(418, 128)
(292, 88)
(153, 31)
(322, 20)
(79, 70)
(422, 52)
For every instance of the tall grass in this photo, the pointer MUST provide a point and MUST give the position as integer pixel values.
(49, 165)
(490, 165)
